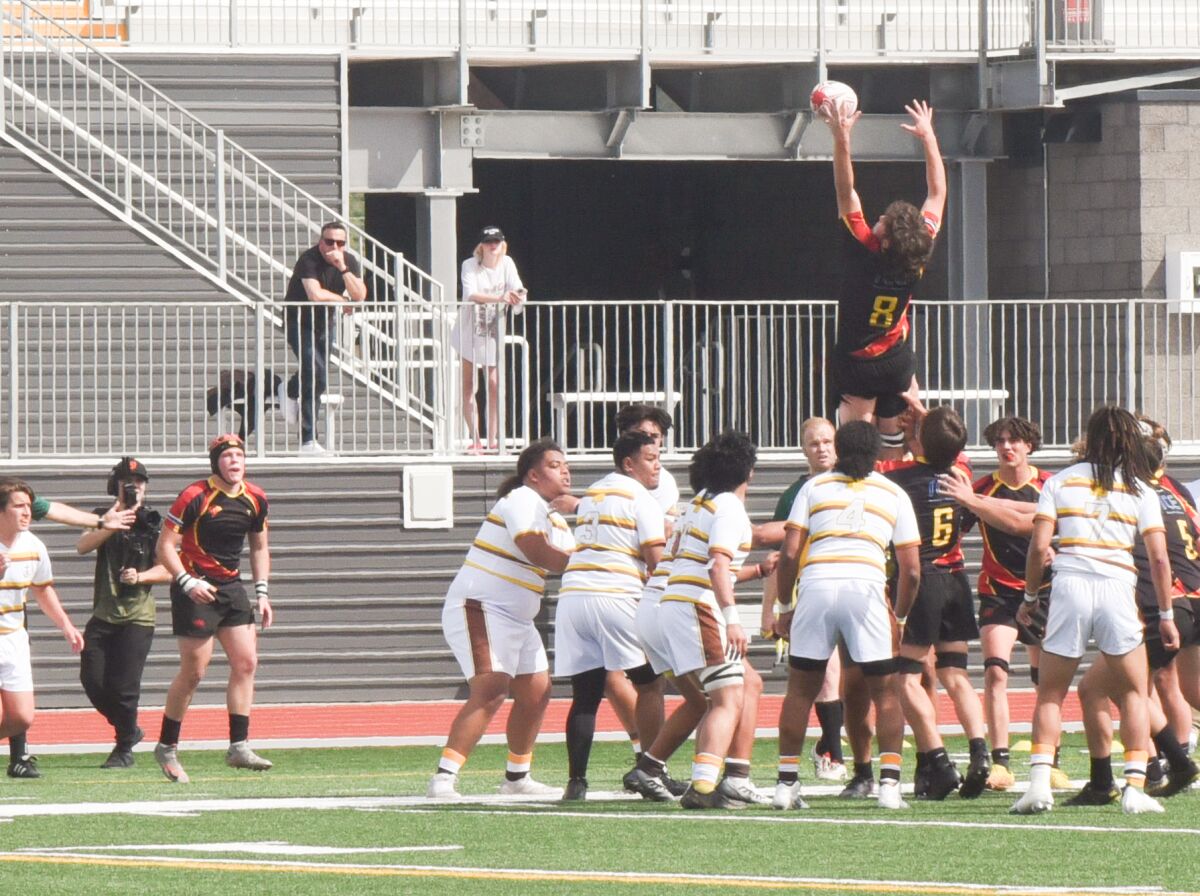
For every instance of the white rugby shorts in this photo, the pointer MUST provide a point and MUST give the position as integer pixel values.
(485, 639)
(16, 670)
(1083, 607)
(650, 635)
(695, 638)
(852, 609)
(593, 630)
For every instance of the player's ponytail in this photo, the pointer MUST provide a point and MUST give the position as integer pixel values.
(528, 459)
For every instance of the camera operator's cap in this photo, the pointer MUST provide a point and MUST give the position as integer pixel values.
(491, 235)
(221, 444)
(130, 468)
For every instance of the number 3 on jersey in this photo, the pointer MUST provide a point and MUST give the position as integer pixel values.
(883, 312)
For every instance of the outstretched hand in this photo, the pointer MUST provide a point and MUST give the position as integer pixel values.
(840, 122)
(922, 119)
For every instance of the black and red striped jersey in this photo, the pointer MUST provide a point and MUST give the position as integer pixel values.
(939, 518)
(873, 309)
(1004, 553)
(214, 524)
(1183, 545)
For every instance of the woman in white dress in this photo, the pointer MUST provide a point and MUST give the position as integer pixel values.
(490, 286)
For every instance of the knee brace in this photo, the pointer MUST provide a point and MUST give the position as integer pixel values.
(906, 666)
(722, 675)
(952, 660)
(997, 662)
(587, 690)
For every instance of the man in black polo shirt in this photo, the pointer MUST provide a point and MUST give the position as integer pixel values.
(325, 273)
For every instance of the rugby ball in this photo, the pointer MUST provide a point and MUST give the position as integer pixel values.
(828, 96)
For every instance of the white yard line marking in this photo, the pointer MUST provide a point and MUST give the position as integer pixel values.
(934, 888)
(486, 805)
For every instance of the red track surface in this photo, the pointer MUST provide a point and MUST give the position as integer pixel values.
(431, 719)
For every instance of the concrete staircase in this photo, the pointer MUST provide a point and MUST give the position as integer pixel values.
(358, 598)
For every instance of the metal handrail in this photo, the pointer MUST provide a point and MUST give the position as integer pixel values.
(241, 221)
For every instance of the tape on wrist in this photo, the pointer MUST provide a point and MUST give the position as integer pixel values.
(1167, 615)
(260, 588)
(186, 581)
(731, 615)
(1031, 598)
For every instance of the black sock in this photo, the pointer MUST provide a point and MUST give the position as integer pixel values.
(1001, 756)
(922, 761)
(830, 715)
(977, 747)
(1168, 746)
(169, 733)
(18, 746)
(1057, 755)
(938, 758)
(1101, 775)
(737, 768)
(587, 689)
(863, 770)
(1154, 770)
(239, 728)
(651, 766)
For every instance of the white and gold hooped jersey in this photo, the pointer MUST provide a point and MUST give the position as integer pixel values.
(496, 571)
(28, 564)
(657, 583)
(721, 526)
(849, 524)
(1097, 529)
(616, 519)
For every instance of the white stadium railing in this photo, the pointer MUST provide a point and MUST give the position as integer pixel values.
(798, 28)
(85, 380)
(216, 206)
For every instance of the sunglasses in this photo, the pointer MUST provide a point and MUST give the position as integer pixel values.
(338, 243)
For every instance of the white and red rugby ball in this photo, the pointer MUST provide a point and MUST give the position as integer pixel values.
(829, 96)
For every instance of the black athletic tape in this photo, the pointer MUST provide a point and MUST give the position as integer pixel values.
(953, 660)
(892, 439)
(997, 662)
(643, 674)
(906, 666)
(806, 664)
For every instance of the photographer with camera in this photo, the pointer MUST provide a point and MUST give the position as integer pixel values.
(118, 636)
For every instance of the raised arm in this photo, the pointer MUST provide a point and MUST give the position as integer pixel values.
(840, 126)
(935, 170)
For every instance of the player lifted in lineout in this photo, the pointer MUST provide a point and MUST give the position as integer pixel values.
(874, 367)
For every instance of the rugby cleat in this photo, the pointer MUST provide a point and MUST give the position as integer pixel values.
(650, 787)
(977, 777)
(858, 789)
(1175, 781)
(743, 790)
(576, 790)
(629, 780)
(1135, 801)
(1000, 778)
(787, 796)
(827, 768)
(526, 786)
(240, 755)
(443, 787)
(23, 767)
(889, 796)
(167, 757)
(677, 788)
(1091, 795)
(694, 799)
(943, 781)
(1033, 802)
(118, 758)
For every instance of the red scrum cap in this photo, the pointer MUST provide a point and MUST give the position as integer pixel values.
(220, 445)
